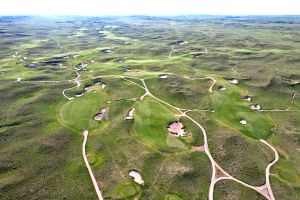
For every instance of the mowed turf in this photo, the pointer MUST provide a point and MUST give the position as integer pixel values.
(150, 125)
(230, 109)
(79, 113)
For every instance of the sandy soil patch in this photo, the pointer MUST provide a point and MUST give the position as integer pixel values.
(198, 148)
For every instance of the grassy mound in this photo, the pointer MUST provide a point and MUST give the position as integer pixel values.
(79, 112)
(129, 190)
(181, 92)
(150, 125)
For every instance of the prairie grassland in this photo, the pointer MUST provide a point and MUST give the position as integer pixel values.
(40, 130)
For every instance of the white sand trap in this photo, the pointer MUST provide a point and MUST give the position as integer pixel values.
(130, 114)
(173, 141)
(136, 176)
(198, 148)
(183, 43)
(79, 94)
(163, 76)
(221, 88)
(243, 122)
(247, 98)
(255, 107)
(234, 81)
(103, 113)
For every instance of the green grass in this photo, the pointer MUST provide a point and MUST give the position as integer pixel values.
(150, 125)
(129, 190)
(181, 92)
(230, 108)
(41, 159)
(172, 197)
(79, 113)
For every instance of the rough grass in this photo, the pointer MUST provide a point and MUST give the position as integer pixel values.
(181, 92)
(41, 159)
(228, 190)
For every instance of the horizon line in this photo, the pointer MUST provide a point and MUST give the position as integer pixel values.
(148, 15)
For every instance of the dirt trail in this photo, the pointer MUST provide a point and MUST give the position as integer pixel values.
(58, 44)
(269, 167)
(99, 194)
(212, 85)
(77, 81)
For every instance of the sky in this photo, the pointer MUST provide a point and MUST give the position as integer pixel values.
(149, 7)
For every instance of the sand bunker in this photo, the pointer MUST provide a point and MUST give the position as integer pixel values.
(176, 128)
(103, 113)
(243, 122)
(136, 176)
(130, 114)
(79, 94)
(234, 81)
(255, 107)
(247, 98)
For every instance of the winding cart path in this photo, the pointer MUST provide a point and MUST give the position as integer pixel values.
(99, 194)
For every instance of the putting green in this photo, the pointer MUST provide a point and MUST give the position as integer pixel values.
(150, 125)
(173, 141)
(230, 109)
(129, 190)
(79, 113)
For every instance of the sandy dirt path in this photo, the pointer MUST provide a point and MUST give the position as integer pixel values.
(269, 167)
(58, 44)
(77, 81)
(212, 85)
(99, 194)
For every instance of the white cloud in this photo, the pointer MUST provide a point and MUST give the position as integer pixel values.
(149, 7)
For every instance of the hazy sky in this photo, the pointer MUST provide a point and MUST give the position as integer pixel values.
(149, 7)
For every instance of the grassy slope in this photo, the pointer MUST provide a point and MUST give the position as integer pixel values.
(150, 124)
(260, 52)
(230, 109)
(79, 113)
(39, 157)
(181, 92)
